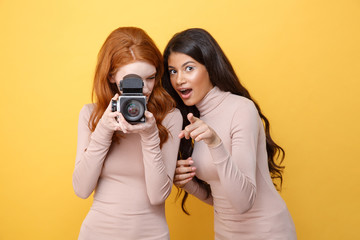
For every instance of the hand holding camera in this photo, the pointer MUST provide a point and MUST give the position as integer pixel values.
(132, 102)
(126, 111)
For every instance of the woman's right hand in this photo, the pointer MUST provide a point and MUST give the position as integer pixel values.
(110, 119)
(184, 172)
(200, 131)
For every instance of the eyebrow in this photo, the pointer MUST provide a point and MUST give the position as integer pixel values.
(151, 75)
(184, 64)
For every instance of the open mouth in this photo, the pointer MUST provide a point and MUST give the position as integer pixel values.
(185, 93)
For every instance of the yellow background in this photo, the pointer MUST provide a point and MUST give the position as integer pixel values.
(299, 59)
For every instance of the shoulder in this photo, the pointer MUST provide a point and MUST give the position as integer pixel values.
(241, 103)
(243, 112)
(86, 111)
(173, 116)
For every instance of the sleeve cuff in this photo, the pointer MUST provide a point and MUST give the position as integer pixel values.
(101, 134)
(219, 153)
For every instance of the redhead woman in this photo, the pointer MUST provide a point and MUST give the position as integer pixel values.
(228, 158)
(130, 166)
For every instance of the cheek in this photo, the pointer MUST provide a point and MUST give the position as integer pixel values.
(172, 81)
(117, 83)
(150, 85)
(202, 80)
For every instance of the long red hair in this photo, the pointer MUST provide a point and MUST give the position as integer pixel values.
(123, 46)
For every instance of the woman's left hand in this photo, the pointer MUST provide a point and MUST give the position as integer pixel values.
(184, 172)
(147, 127)
(199, 130)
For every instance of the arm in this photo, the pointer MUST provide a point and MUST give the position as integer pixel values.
(91, 152)
(92, 148)
(237, 172)
(198, 190)
(184, 174)
(159, 163)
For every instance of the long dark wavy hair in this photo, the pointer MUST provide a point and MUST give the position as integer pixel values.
(201, 46)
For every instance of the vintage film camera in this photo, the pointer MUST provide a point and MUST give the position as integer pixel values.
(132, 102)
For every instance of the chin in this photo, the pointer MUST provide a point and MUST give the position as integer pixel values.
(189, 103)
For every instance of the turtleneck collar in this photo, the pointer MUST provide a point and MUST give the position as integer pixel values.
(211, 100)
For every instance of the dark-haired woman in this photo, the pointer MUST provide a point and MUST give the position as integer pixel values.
(130, 167)
(232, 161)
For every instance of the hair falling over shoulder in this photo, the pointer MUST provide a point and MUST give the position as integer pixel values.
(201, 46)
(123, 46)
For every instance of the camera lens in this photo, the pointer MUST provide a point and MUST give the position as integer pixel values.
(133, 110)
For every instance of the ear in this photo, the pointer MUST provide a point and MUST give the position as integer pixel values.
(112, 79)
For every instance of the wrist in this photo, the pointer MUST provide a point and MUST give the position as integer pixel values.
(149, 134)
(149, 131)
(216, 142)
(102, 132)
(102, 124)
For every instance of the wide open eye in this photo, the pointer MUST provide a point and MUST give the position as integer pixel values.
(172, 71)
(189, 68)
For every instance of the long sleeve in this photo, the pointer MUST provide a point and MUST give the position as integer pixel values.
(237, 171)
(159, 164)
(91, 152)
(194, 188)
(246, 203)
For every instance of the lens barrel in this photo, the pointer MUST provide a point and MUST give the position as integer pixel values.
(133, 110)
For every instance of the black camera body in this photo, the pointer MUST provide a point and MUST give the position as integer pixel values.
(132, 102)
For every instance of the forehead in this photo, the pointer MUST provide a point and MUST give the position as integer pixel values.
(176, 59)
(141, 68)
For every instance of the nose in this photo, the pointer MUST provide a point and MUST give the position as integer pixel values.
(145, 89)
(179, 79)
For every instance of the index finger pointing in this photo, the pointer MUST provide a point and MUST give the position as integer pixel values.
(191, 118)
